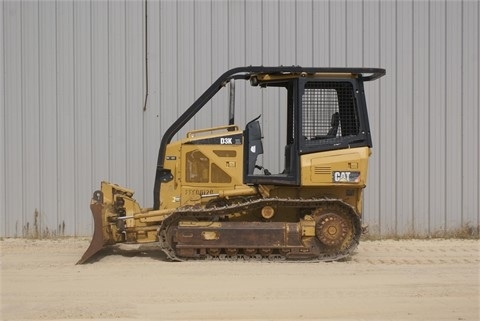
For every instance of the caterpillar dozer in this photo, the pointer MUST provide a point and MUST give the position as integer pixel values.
(212, 197)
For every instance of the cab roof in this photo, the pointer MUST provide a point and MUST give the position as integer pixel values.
(289, 72)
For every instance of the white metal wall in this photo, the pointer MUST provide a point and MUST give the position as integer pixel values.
(72, 91)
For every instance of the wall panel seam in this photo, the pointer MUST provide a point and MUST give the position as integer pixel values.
(429, 112)
(3, 226)
(397, 187)
(74, 114)
(413, 112)
(57, 143)
(478, 115)
(380, 116)
(22, 117)
(461, 111)
(445, 112)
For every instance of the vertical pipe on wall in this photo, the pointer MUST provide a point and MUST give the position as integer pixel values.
(146, 56)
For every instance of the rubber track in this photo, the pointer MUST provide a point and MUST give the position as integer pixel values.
(217, 213)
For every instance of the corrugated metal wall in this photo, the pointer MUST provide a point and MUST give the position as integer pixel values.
(73, 85)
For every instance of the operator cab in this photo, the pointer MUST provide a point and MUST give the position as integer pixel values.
(323, 112)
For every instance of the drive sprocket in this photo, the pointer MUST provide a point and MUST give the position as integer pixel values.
(336, 228)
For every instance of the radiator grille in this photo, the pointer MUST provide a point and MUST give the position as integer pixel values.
(322, 170)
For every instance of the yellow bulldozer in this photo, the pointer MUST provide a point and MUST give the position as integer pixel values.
(212, 199)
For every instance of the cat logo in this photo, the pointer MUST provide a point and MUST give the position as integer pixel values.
(346, 177)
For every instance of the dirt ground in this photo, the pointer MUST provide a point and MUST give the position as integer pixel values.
(384, 280)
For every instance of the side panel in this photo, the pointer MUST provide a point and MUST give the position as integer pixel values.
(3, 174)
(453, 127)
(373, 92)
(355, 42)
(100, 74)
(286, 32)
(404, 220)
(336, 174)
(185, 52)
(421, 160)
(13, 154)
(471, 116)
(82, 112)
(345, 167)
(117, 86)
(304, 33)
(437, 118)
(220, 60)
(170, 191)
(66, 117)
(338, 33)
(210, 168)
(202, 60)
(33, 215)
(273, 101)
(135, 96)
(321, 34)
(151, 123)
(387, 131)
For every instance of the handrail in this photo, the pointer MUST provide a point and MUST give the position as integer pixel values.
(191, 134)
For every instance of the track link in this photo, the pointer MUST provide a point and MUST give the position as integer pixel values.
(219, 213)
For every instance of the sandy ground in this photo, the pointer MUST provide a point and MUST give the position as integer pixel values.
(384, 280)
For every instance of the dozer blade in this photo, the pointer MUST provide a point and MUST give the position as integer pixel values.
(97, 242)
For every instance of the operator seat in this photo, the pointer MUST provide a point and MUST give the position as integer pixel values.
(334, 123)
(253, 135)
(332, 132)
